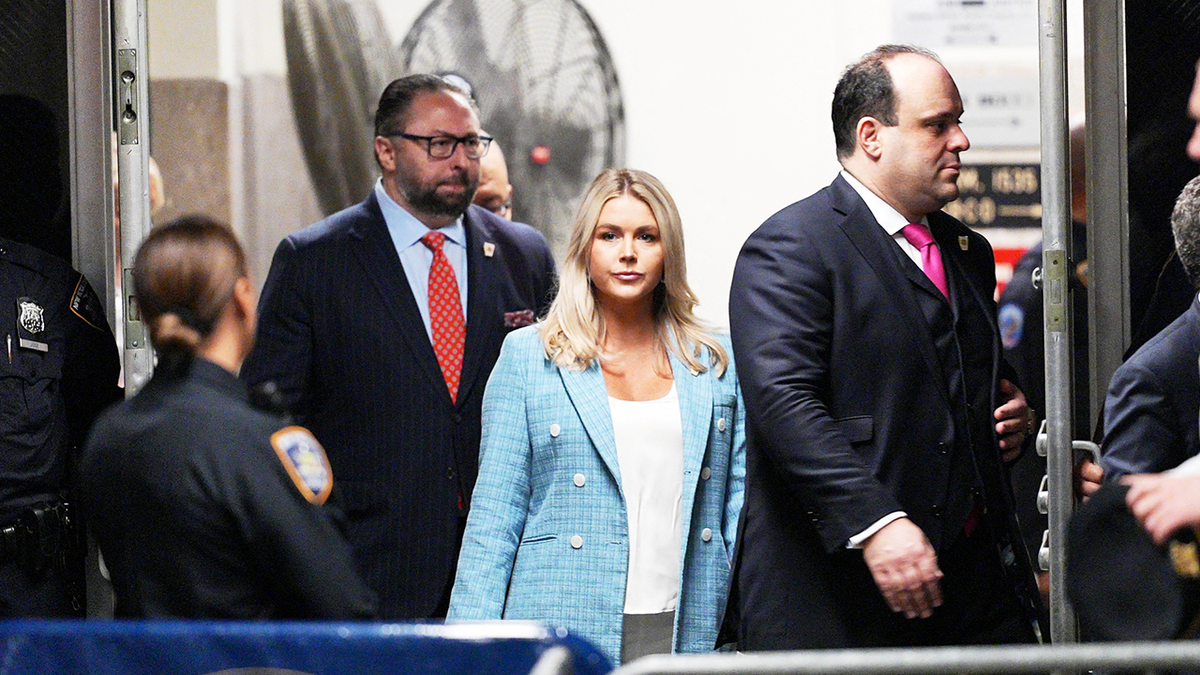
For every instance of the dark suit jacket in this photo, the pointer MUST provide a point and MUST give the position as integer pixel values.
(866, 393)
(1150, 413)
(341, 335)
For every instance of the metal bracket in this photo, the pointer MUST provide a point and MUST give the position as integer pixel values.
(135, 330)
(127, 96)
(1054, 278)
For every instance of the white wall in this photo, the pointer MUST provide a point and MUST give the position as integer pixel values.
(183, 38)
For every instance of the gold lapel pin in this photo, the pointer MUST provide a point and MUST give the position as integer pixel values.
(964, 242)
(489, 249)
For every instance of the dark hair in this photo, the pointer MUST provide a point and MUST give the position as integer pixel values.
(866, 90)
(184, 275)
(1185, 224)
(397, 98)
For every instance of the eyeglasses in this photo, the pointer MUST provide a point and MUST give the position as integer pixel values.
(442, 147)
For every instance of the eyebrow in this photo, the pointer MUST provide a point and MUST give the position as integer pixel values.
(637, 228)
(941, 117)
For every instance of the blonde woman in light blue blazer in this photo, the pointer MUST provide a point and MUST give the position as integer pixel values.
(595, 508)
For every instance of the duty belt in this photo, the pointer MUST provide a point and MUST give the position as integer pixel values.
(35, 539)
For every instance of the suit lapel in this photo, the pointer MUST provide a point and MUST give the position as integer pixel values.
(962, 287)
(880, 253)
(589, 396)
(482, 288)
(377, 253)
(695, 409)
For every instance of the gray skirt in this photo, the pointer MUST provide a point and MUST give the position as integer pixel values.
(645, 634)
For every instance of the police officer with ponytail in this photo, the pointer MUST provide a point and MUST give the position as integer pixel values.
(204, 506)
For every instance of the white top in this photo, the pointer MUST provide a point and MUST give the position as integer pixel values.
(649, 437)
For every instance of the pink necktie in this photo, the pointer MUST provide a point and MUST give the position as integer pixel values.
(445, 314)
(931, 259)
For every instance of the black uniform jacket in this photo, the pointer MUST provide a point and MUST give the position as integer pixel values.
(58, 369)
(197, 516)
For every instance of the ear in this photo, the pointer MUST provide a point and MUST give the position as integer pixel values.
(385, 152)
(243, 297)
(866, 135)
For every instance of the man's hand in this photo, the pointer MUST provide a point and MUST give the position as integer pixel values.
(905, 568)
(1014, 421)
(1164, 503)
(1088, 477)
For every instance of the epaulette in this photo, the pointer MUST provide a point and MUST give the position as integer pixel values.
(267, 397)
(32, 258)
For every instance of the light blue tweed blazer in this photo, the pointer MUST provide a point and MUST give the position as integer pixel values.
(547, 535)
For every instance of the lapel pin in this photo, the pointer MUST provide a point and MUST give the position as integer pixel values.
(963, 242)
(489, 249)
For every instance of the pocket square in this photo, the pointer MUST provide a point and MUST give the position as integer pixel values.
(523, 317)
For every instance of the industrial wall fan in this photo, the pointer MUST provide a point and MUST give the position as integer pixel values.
(539, 68)
(546, 88)
(339, 60)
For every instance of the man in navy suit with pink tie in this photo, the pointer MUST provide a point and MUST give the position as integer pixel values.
(380, 325)
(881, 414)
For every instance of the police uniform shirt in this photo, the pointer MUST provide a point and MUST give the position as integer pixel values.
(59, 367)
(205, 507)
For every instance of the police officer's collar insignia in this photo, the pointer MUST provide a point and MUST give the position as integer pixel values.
(31, 323)
(305, 461)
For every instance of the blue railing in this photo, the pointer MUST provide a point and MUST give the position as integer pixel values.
(203, 647)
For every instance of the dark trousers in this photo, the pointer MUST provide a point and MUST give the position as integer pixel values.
(25, 594)
(844, 608)
(443, 606)
(980, 605)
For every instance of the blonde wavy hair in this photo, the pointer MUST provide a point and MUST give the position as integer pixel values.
(573, 329)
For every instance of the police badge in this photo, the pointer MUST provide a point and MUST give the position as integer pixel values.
(31, 323)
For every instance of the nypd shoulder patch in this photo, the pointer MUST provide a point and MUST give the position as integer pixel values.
(86, 305)
(305, 461)
(1012, 325)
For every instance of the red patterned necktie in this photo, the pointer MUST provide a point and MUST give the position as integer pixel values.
(445, 314)
(931, 259)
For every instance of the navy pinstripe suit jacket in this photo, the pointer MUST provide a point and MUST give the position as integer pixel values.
(341, 335)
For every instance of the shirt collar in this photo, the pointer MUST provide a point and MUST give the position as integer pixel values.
(404, 227)
(887, 217)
